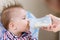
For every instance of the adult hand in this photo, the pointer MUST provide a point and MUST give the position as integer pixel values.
(55, 27)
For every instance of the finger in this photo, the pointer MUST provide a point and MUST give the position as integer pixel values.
(50, 28)
(53, 17)
(46, 28)
(53, 27)
(43, 28)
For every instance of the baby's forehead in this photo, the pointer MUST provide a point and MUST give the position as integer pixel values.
(16, 11)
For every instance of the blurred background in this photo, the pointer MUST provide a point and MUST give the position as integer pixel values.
(41, 7)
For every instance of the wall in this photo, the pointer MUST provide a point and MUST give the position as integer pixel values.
(37, 7)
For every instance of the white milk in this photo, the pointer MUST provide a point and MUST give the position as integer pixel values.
(39, 22)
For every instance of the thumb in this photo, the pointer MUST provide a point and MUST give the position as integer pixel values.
(54, 18)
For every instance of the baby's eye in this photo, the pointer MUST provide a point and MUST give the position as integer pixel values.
(23, 18)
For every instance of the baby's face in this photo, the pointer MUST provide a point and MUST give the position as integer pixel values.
(20, 21)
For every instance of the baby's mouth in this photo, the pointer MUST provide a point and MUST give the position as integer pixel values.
(28, 27)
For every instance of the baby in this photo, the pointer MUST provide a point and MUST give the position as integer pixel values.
(15, 22)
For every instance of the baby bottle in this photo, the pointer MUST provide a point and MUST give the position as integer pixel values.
(39, 22)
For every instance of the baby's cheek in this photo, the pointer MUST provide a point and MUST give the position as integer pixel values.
(26, 25)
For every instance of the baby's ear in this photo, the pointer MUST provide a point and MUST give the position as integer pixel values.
(11, 25)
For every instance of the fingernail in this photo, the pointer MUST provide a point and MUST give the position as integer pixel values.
(50, 27)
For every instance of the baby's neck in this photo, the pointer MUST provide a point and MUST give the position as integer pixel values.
(16, 33)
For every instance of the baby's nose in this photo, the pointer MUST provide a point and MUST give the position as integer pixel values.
(27, 20)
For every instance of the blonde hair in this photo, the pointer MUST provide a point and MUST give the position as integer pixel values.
(5, 19)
